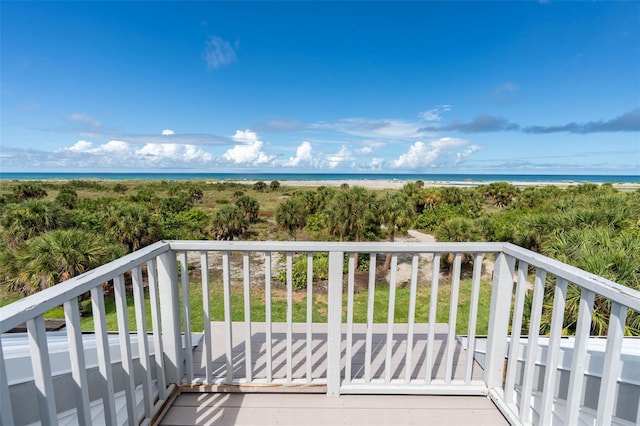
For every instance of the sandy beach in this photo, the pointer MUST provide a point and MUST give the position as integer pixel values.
(398, 184)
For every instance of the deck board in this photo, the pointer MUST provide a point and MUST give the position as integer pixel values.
(317, 409)
(319, 352)
(274, 407)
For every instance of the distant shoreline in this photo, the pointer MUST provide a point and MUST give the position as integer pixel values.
(395, 184)
(389, 180)
(376, 182)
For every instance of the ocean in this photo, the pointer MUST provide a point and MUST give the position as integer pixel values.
(267, 177)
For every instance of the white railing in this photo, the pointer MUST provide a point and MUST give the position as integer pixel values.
(361, 356)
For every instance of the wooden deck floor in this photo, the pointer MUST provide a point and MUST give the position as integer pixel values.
(318, 409)
(246, 408)
(319, 352)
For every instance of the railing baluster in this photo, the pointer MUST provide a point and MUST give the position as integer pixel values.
(453, 317)
(226, 285)
(154, 303)
(186, 314)
(104, 357)
(412, 316)
(350, 289)
(473, 316)
(247, 316)
(206, 309)
(309, 314)
(334, 320)
(433, 305)
(370, 304)
(168, 295)
(516, 331)
(267, 307)
(76, 357)
(579, 359)
(6, 410)
(42, 370)
(143, 344)
(501, 295)
(390, 318)
(289, 317)
(553, 354)
(125, 348)
(612, 361)
(532, 345)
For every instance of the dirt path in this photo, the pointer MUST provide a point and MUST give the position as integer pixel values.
(403, 272)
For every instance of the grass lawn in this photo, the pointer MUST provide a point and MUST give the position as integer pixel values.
(279, 306)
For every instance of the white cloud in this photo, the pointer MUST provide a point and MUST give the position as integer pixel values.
(168, 132)
(434, 114)
(444, 143)
(83, 119)
(218, 52)
(123, 154)
(303, 155)
(163, 152)
(334, 160)
(373, 128)
(364, 150)
(246, 136)
(80, 146)
(421, 155)
(249, 151)
(376, 163)
(111, 147)
(467, 152)
(115, 147)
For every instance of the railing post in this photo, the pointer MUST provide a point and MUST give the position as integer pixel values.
(501, 294)
(334, 320)
(170, 316)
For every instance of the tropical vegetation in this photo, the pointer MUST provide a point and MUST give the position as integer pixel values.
(51, 231)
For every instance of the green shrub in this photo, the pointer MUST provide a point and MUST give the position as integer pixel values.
(299, 270)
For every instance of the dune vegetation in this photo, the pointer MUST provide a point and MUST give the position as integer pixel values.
(54, 230)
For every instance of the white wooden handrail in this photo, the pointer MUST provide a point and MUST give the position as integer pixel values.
(166, 265)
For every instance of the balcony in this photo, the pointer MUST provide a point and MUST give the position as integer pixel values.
(322, 357)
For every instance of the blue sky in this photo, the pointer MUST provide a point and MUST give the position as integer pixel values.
(443, 87)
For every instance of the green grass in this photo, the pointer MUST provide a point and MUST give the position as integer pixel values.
(279, 306)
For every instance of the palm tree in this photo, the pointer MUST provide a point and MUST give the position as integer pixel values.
(131, 224)
(228, 222)
(249, 206)
(260, 186)
(351, 213)
(196, 194)
(415, 193)
(31, 218)
(56, 256)
(291, 215)
(457, 229)
(396, 215)
(323, 196)
(501, 194)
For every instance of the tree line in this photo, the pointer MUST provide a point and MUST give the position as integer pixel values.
(52, 231)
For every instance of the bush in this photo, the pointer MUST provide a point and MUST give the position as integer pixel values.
(432, 217)
(119, 188)
(299, 270)
(26, 191)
